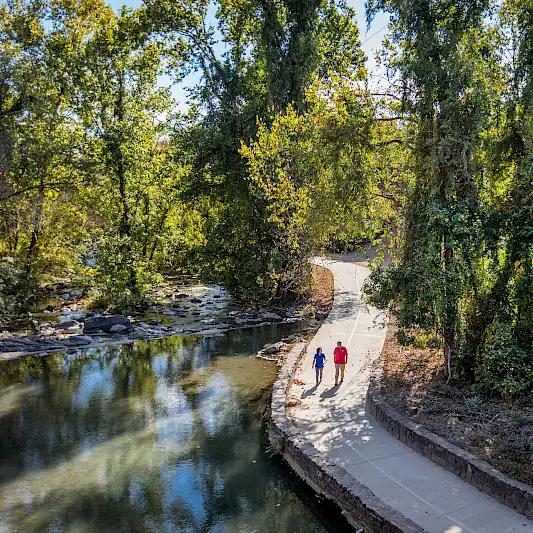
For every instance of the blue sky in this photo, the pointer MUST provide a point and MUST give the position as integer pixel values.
(370, 40)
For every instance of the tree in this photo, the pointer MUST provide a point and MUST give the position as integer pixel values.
(123, 111)
(43, 156)
(275, 52)
(464, 268)
(438, 65)
(499, 323)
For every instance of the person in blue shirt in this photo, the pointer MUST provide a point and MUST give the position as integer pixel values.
(318, 364)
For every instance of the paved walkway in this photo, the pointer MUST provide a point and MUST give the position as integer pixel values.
(335, 421)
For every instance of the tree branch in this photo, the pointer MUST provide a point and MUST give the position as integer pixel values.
(52, 186)
(388, 95)
(386, 143)
(386, 196)
(390, 119)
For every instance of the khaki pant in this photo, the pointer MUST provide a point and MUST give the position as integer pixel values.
(337, 368)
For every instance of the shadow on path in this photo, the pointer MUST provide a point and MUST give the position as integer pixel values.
(309, 392)
(329, 393)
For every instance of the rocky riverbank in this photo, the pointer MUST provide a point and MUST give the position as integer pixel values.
(176, 310)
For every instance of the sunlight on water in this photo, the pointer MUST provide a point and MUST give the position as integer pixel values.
(159, 436)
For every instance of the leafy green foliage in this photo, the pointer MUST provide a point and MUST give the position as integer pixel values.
(304, 171)
(283, 151)
(464, 266)
(14, 288)
(504, 365)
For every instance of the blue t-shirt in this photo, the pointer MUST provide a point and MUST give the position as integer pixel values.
(319, 360)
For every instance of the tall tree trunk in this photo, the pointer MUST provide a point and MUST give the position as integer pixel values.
(119, 161)
(450, 313)
(146, 235)
(125, 224)
(159, 228)
(36, 227)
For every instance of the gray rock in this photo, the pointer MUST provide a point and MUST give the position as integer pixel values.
(105, 323)
(290, 320)
(11, 345)
(273, 348)
(51, 345)
(293, 338)
(79, 340)
(196, 301)
(271, 316)
(119, 328)
(67, 324)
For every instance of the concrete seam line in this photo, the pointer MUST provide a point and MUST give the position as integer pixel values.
(512, 493)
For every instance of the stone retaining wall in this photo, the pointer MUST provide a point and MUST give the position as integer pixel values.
(478, 473)
(360, 506)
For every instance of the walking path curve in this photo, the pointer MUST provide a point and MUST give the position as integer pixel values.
(335, 421)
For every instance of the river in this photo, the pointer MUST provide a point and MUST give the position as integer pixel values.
(166, 435)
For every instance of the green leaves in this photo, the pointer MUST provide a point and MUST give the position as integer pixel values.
(462, 267)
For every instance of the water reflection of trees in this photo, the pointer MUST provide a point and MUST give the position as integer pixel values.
(124, 437)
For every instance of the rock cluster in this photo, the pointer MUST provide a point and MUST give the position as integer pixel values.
(278, 350)
(101, 329)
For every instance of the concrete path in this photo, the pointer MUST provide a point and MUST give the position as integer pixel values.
(335, 421)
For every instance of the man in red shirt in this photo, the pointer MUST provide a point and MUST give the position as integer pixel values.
(340, 358)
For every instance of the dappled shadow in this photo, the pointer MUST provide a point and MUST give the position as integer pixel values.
(309, 392)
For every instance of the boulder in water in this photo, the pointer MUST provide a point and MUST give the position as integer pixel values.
(273, 348)
(79, 340)
(67, 324)
(105, 323)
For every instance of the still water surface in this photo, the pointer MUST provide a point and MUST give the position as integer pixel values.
(164, 435)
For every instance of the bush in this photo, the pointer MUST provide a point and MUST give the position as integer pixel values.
(418, 339)
(15, 288)
(122, 276)
(503, 365)
(427, 339)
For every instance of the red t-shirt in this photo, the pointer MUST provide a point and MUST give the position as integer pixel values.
(340, 355)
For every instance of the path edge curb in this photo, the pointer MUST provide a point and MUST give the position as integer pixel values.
(357, 502)
(476, 472)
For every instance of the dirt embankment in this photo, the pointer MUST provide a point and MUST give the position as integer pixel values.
(314, 307)
(321, 294)
(496, 431)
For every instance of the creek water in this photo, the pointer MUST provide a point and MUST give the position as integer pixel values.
(165, 435)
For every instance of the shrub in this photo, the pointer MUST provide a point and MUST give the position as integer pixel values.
(15, 288)
(503, 365)
(122, 276)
